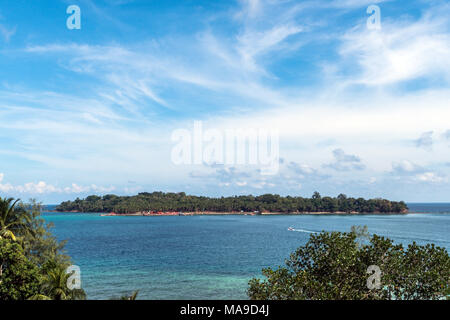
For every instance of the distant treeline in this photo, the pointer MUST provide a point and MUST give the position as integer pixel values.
(160, 201)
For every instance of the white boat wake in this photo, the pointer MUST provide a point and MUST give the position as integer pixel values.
(301, 230)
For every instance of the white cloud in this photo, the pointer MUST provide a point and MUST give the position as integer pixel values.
(248, 179)
(42, 187)
(254, 43)
(402, 50)
(405, 167)
(430, 177)
(250, 9)
(408, 171)
(345, 162)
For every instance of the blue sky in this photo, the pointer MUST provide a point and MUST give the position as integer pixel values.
(359, 111)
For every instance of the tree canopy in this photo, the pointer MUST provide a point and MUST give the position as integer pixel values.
(32, 261)
(335, 266)
(19, 277)
(159, 201)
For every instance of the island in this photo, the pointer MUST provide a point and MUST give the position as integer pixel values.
(160, 203)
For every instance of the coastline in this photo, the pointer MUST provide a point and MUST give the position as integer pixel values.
(211, 213)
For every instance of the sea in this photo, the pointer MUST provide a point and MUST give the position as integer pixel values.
(212, 257)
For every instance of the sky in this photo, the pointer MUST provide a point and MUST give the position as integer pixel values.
(356, 109)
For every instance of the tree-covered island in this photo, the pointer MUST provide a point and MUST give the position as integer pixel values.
(180, 202)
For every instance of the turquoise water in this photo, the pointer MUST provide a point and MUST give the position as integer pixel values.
(211, 257)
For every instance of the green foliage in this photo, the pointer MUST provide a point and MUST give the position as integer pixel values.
(34, 261)
(11, 219)
(54, 285)
(38, 242)
(159, 201)
(333, 266)
(19, 278)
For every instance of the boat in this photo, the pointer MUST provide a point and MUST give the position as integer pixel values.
(290, 229)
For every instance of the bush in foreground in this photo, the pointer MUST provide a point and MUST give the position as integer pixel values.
(19, 278)
(334, 266)
(32, 261)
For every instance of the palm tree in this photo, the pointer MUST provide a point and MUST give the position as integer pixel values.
(11, 218)
(54, 285)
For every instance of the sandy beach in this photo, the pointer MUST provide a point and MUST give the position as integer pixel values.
(155, 214)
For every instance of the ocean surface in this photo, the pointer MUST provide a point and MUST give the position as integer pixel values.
(212, 257)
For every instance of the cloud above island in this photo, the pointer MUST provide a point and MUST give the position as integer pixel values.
(41, 187)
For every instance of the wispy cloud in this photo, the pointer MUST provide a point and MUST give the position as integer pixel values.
(345, 162)
(404, 49)
(411, 172)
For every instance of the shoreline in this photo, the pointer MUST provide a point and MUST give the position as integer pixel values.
(212, 213)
